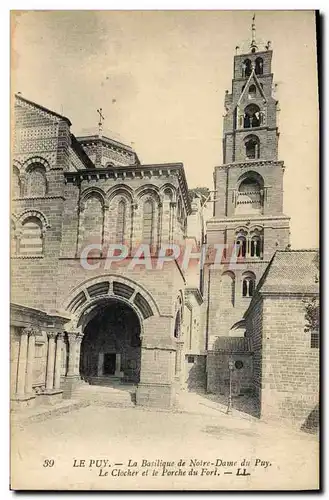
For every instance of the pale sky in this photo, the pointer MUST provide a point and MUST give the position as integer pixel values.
(160, 78)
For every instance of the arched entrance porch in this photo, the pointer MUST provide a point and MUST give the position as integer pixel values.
(111, 345)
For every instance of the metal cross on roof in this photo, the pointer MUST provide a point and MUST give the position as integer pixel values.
(101, 119)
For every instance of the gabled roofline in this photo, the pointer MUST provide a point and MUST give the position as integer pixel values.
(42, 108)
(252, 75)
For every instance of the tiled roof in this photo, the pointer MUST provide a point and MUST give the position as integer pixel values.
(233, 344)
(291, 271)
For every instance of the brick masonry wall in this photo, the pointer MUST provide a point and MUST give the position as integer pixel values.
(254, 330)
(290, 385)
(218, 375)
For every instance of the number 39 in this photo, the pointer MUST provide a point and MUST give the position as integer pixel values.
(48, 463)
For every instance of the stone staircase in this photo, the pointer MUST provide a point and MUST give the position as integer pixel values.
(116, 395)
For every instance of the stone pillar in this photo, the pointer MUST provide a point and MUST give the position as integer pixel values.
(22, 360)
(72, 338)
(117, 365)
(58, 360)
(73, 367)
(50, 361)
(100, 364)
(77, 354)
(30, 360)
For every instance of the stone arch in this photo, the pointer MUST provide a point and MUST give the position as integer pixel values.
(246, 68)
(252, 91)
(252, 147)
(248, 283)
(38, 160)
(252, 116)
(32, 213)
(251, 175)
(168, 192)
(17, 164)
(259, 66)
(250, 194)
(112, 332)
(36, 180)
(91, 220)
(120, 189)
(29, 236)
(92, 191)
(16, 184)
(227, 288)
(150, 190)
(95, 289)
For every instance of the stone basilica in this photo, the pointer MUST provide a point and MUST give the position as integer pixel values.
(159, 329)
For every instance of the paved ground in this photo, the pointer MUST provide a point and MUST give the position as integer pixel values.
(200, 431)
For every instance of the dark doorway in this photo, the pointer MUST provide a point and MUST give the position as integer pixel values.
(109, 364)
(111, 328)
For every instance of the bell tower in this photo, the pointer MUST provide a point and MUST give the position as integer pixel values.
(248, 208)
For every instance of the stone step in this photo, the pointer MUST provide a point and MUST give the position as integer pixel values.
(103, 395)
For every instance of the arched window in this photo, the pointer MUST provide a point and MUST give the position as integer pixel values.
(252, 147)
(16, 184)
(31, 240)
(248, 284)
(252, 91)
(91, 225)
(250, 194)
(168, 195)
(246, 68)
(259, 66)
(148, 222)
(37, 183)
(227, 288)
(241, 246)
(252, 116)
(255, 246)
(177, 325)
(121, 222)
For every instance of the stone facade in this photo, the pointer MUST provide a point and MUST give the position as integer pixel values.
(248, 218)
(286, 355)
(63, 204)
(82, 310)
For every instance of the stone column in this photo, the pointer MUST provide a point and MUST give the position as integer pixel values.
(30, 360)
(100, 364)
(117, 365)
(22, 360)
(58, 360)
(77, 354)
(50, 361)
(72, 338)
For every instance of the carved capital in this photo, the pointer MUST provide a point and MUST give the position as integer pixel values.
(60, 336)
(79, 338)
(30, 331)
(51, 334)
(72, 337)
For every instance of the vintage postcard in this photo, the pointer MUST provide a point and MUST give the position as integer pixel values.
(164, 321)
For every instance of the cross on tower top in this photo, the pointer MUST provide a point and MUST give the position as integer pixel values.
(101, 119)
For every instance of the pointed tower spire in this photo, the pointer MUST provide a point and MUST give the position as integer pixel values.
(253, 45)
